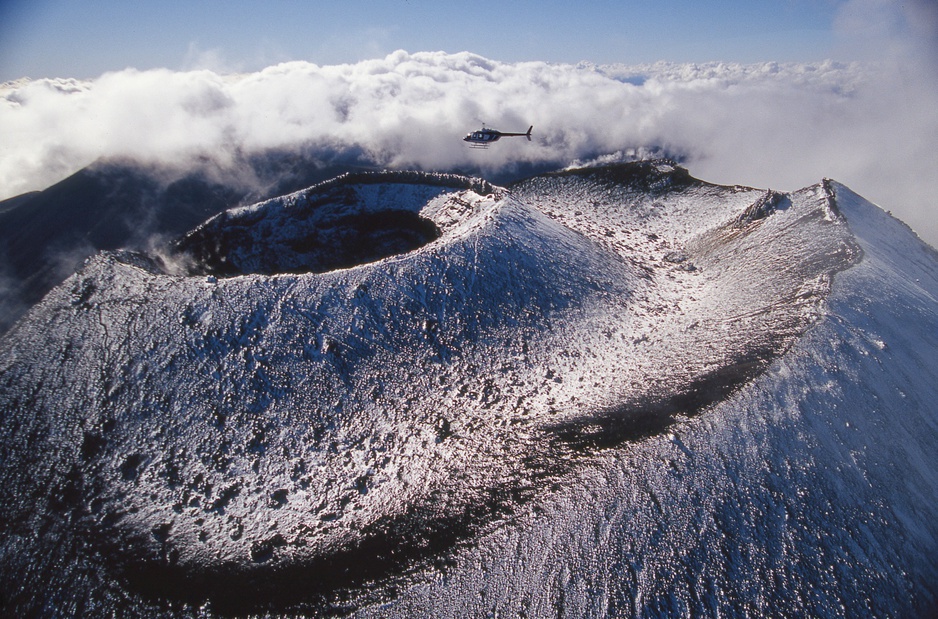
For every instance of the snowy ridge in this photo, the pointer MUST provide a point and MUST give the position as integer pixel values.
(807, 493)
(569, 360)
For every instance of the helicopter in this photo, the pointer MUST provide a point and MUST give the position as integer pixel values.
(483, 137)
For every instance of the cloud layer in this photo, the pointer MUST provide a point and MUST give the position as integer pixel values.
(871, 126)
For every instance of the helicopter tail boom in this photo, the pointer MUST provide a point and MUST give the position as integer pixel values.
(525, 135)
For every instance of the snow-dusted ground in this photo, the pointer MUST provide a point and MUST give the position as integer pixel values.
(809, 492)
(603, 392)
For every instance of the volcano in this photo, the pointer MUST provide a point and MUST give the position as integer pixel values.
(605, 391)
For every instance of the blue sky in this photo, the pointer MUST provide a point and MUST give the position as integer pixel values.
(66, 38)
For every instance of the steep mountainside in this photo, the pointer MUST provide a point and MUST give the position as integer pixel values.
(599, 392)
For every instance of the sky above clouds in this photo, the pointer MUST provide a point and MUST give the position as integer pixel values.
(745, 94)
(64, 38)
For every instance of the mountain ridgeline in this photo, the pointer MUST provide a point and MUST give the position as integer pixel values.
(607, 391)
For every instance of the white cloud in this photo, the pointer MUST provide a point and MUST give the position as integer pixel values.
(871, 126)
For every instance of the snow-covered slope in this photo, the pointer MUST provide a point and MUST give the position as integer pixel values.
(601, 392)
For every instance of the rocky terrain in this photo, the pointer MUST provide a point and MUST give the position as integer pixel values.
(607, 391)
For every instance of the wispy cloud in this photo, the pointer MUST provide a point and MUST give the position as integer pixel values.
(871, 126)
